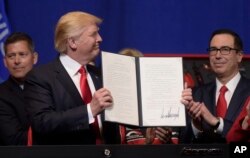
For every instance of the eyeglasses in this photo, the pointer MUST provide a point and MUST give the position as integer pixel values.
(223, 50)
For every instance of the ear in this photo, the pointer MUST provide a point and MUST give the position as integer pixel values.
(35, 57)
(239, 56)
(4, 61)
(72, 43)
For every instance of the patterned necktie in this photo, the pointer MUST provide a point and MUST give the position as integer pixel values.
(221, 107)
(87, 97)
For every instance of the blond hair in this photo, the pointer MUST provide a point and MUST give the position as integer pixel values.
(131, 52)
(71, 25)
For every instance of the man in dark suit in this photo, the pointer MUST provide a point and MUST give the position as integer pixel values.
(19, 59)
(59, 113)
(206, 124)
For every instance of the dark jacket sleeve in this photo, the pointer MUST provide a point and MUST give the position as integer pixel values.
(51, 107)
(12, 131)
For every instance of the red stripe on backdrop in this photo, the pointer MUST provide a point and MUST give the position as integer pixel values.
(246, 56)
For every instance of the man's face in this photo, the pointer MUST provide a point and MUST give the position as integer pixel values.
(88, 43)
(224, 66)
(19, 59)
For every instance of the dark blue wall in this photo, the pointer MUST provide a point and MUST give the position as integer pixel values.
(152, 26)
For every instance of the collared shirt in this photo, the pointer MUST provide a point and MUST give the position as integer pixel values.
(231, 86)
(72, 67)
(21, 86)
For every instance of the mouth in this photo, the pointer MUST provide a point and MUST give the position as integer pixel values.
(18, 68)
(219, 64)
(97, 47)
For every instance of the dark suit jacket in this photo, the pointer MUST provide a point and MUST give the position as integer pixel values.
(236, 133)
(14, 122)
(206, 94)
(58, 113)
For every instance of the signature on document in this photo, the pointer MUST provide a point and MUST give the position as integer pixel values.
(170, 113)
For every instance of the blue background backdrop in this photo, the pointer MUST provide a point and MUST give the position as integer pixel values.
(180, 27)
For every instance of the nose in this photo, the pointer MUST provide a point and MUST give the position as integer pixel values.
(17, 59)
(218, 54)
(99, 38)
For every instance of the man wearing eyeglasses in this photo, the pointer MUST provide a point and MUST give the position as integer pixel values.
(213, 107)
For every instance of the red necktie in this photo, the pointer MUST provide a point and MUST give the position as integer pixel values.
(87, 97)
(29, 137)
(222, 103)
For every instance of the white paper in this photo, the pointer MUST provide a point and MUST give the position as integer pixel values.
(119, 78)
(161, 82)
(161, 87)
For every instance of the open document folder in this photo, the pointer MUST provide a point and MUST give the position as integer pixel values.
(146, 90)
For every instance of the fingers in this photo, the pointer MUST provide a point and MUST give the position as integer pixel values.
(207, 116)
(185, 85)
(244, 123)
(186, 96)
(248, 109)
(104, 97)
(164, 130)
(186, 101)
(163, 134)
(194, 110)
(187, 91)
(101, 100)
(197, 115)
(150, 135)
(103, 92)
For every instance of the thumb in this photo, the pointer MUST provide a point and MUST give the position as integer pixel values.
(185, 85)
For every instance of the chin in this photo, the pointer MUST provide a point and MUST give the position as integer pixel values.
(18, 75)
(219, 73)
(95, 53)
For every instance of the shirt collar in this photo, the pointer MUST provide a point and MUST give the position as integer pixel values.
(231, 85)
(71, 66)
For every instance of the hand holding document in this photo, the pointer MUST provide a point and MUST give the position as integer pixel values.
(146, 90)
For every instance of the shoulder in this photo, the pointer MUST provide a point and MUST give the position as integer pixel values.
(44, 71)
(5, 87)
(46, 68)
(244, 85)
(3, 91)
(6, 93)
(245, 80)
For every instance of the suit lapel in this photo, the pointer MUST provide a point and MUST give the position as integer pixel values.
(67, 82)
(237, 100)
(95, 75)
